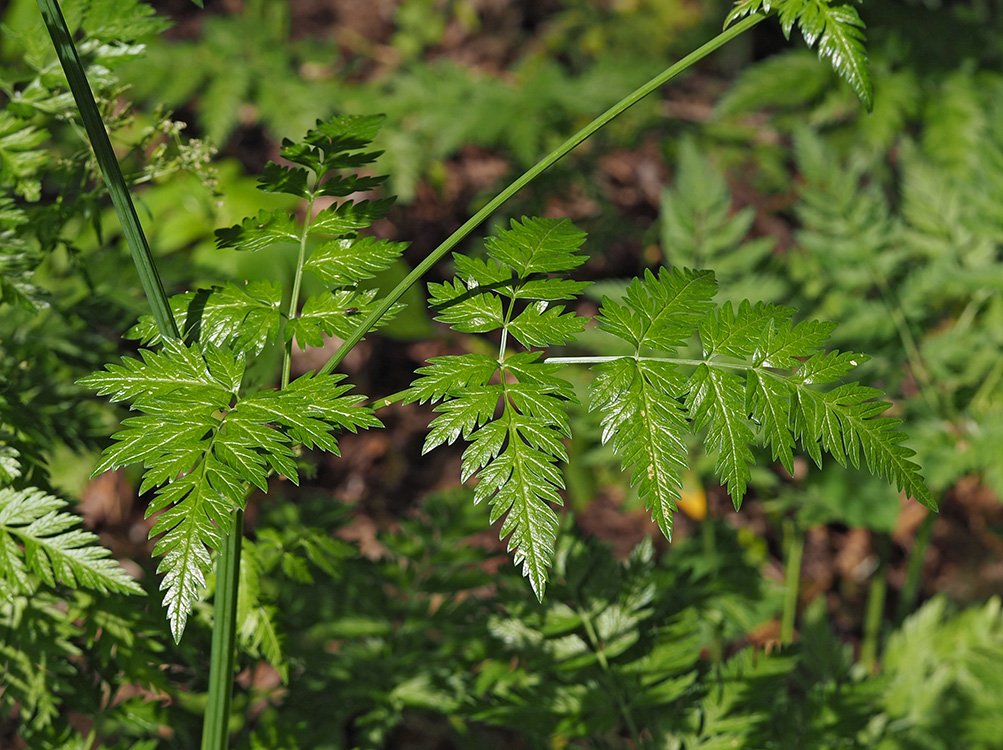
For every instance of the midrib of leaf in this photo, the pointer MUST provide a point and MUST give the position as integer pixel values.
(177, 604)
(667, 309)
(709, 362)
(187, 528)
(534, 563)
(656, 462)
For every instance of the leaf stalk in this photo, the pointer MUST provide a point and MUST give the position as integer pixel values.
(287, 351)
(531, 174)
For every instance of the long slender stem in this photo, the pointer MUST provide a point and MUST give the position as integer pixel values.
(914, 570)
(225, 606)
(76, 76)
(876, 595)
(294, 299)
(670, 360)
(216, 729)
(792, 580)
(531, 174)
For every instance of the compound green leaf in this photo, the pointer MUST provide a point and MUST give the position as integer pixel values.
(260, 232)
(539, 325)
(467, 309)
(350, 260)
(641, 416)
(534, 245)
(739, 332)
(716, 403)
(201, 444)
(451, 375)
(244, 319)
(333, 314)
(660, 312)
(39, 540)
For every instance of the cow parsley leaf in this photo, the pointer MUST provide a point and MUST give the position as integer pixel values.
(39, 541)
(834, 25)
(512, 410)
(331, 248)
(756, 384)
(202, 443)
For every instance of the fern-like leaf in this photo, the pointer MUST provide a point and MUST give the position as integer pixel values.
(834, 25)
(512, 410)
(757, 384)
(343, 261)
(244, 319)
(644, 420)
(661, 311)
(201, 443)
(39, 541)
(332, 248)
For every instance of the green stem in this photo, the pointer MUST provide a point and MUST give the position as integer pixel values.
(224, 628)
(671, 360)
(216, 730)
(792, 580)
(914, 571)
(531, 174)
(597, 647)
(76, 76)
(503, 343)
(875, 607)
(287, 352)
(393, 398)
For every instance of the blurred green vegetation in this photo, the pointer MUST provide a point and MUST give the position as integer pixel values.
(760, 166)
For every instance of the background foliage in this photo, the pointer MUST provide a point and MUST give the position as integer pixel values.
(375, 611)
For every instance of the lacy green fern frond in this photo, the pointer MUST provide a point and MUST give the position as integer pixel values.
(201, 443)
(512, 410)
(756, 384)
(331, 248)
(246, 318)
(646, 424)
(699, 229)
(18, 260)
(39, 541)
(834, 25)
